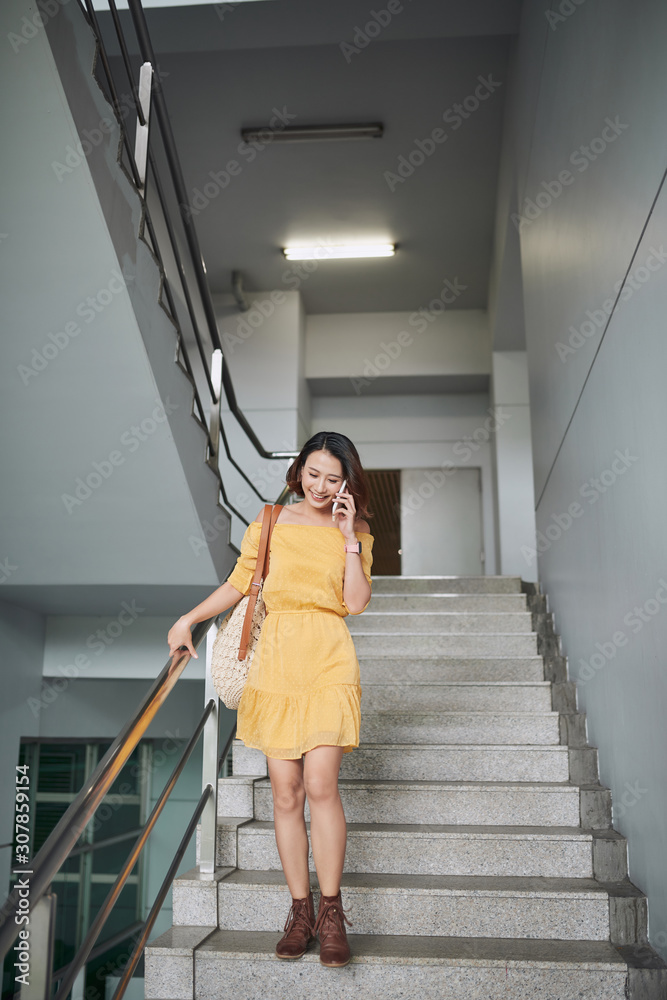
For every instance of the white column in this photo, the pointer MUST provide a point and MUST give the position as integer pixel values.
(515, 515)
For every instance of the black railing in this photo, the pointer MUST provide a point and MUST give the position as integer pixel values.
(216, 374)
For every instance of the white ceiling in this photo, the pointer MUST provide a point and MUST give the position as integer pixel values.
(228, 66)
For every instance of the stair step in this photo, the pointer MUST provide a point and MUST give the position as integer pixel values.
(444, 762)
(474, 622)
(407, 849)
(457, 762)
(568, 909)
(446, 584)
(447, 602)
(447, 802)
(534, 728)
(444, 669)
(458, 696)
(415, 643)
(409, 967)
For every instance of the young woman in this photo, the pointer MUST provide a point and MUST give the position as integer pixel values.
(301, 701)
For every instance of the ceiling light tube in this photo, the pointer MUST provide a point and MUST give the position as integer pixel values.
(343, 251)
(312, 133)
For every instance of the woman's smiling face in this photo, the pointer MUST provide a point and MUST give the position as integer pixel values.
(321, 479)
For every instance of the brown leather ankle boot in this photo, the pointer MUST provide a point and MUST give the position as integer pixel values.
(331, 920)
(299, 928)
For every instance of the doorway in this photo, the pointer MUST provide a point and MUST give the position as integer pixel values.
(441, 522)
(385, 525)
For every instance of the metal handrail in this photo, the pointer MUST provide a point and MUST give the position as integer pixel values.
(221, 386)
(162, 895)
(178, 182)
(102, 914)
(63, 838)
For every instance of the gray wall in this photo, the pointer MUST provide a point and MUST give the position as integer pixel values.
(22, 642)
(598, 400)
(92, 389)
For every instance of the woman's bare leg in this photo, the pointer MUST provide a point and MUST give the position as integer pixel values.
(289, 798)
(328, 830)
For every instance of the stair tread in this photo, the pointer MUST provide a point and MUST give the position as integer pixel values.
(442, 830)
(489, 747)
(458, 684)
(496, 713)
(448, 632)
(538, 786)
(482, 885)
(597, 955)
(524, 613)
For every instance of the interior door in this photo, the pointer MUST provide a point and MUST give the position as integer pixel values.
(441, 522)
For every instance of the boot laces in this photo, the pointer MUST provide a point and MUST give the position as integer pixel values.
(330, 917)
(298, 917)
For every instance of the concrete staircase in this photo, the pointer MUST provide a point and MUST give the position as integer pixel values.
(481, 862)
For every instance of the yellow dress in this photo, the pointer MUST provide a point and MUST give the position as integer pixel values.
(303, 688)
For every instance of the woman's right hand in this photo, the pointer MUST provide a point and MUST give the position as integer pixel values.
(180, 635)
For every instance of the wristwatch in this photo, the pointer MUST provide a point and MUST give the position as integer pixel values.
(354, 547)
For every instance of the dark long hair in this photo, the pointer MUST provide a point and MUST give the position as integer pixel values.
(341, 448)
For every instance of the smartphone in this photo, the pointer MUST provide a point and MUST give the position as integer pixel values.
(337, 502)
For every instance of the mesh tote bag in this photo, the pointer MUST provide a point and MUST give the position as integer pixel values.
(240, 629)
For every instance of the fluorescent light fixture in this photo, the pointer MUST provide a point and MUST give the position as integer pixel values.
(123, 4)
(312, 133)
(344, 251)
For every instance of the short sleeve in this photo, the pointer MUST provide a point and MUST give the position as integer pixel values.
(366, 540)
(242, 574)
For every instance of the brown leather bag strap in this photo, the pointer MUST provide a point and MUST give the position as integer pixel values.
(269, 518)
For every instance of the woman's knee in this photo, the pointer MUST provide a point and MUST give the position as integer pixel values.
(321, 788)
(288, 796)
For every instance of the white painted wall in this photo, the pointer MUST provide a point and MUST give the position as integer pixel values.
(364, 346)
(514, 466)
(264, 351)
(599, 407)
(417, 432)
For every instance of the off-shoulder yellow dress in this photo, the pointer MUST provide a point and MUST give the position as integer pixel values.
(303, 688)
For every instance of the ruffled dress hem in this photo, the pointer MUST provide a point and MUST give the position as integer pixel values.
(291, 714)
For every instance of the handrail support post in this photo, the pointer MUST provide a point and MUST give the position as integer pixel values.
(37, 984)
(211, 751)
(141, 138)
